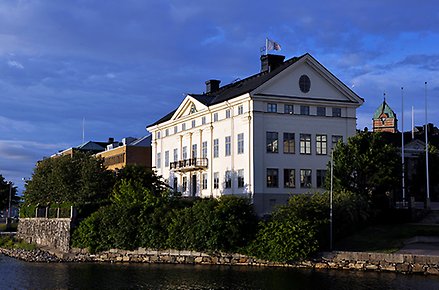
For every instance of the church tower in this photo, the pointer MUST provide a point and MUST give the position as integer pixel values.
(384, 119)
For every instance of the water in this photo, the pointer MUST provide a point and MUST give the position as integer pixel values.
(16, 274)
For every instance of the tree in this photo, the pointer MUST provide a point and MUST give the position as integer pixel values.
(80, 179)
(4, 194)
(367, 165)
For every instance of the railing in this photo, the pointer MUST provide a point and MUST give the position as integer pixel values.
(189, 164)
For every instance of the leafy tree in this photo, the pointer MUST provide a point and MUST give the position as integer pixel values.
(367, 165)
(4, 194)
(80, 179)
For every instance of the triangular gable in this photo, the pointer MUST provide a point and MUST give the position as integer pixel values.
(187, 107)
(415, 145)
(324, 85)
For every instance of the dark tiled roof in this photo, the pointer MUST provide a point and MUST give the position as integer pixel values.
(235, 89)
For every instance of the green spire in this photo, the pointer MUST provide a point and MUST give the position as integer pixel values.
(384, 108)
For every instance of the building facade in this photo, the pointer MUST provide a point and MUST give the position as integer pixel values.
(130, 151)
(266, 137)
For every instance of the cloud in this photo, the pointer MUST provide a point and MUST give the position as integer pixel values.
(15, 64)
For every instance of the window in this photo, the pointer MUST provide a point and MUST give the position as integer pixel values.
(183, 126)
(193, 123)
(228, 179)
(305, 178)
(194, 150)
(175, 184)
(336, 139)
(215, 117)
(204, 181)
(193, 109)
(215, 148)
(272, 142)
(228, 146)
(289, 109)
(216, 180)
(321, 175)
(336, 112)
(240, 143)
(175, 155)
(158, 135)
(166, 158)
(304, 83)
(203, 120)
(272, 108)
(321, 144)
(227, 113)
(240, 178)
(158, 161)
(184, 184)
(289, 144)
(321, 111)
(204, 149)
(175, 129)
(304, 110)
(184, 154)
(166, 132)
(289, 178)
(272, 177)
(305, 143)
(240, 110)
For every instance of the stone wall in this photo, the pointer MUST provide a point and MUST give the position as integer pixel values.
(52, 232)
(401, 263)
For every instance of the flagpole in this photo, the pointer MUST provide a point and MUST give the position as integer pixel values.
(266, 45)
(427, 201)
(413, 123)
(402, 147)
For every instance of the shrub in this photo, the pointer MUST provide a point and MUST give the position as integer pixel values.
(284, 240)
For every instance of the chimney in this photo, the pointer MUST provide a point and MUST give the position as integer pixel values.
(270, 62)
(212, 86)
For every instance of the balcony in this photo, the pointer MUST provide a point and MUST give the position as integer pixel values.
(189, 164)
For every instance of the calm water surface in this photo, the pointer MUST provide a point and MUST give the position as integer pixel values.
(16, 274)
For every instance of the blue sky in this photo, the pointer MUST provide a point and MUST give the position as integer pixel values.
(121, 65)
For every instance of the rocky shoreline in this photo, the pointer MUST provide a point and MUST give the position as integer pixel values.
(360, 261)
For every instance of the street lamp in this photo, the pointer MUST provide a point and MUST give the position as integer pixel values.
(10, 195)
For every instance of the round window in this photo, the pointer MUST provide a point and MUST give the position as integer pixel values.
(304, 83)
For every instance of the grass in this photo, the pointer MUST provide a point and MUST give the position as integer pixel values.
(385, 238)
(12, 227)
(12, 243)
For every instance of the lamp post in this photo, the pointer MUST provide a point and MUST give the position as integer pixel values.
(427, 199)
(330, 201)
(10, 195)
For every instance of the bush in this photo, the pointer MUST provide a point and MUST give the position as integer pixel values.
(284, 240)
(226, 224)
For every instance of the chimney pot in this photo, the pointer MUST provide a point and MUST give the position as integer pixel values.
(270, 62)
(212, 86)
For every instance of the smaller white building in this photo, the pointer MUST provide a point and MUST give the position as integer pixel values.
(266, 137)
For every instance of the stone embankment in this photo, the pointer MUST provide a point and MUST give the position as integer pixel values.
(400, 263)
(36, 255)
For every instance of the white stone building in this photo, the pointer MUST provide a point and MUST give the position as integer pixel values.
(266, 137)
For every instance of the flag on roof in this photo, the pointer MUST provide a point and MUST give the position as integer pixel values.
(272, 45)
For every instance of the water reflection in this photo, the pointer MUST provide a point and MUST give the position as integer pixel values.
(20, 275)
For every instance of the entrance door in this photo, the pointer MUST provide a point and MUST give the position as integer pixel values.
(194, 185)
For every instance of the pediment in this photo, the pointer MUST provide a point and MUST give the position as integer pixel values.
(322, 85)
(416, 144)
(188, 107)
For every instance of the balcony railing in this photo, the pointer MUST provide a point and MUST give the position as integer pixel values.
(189, 164)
